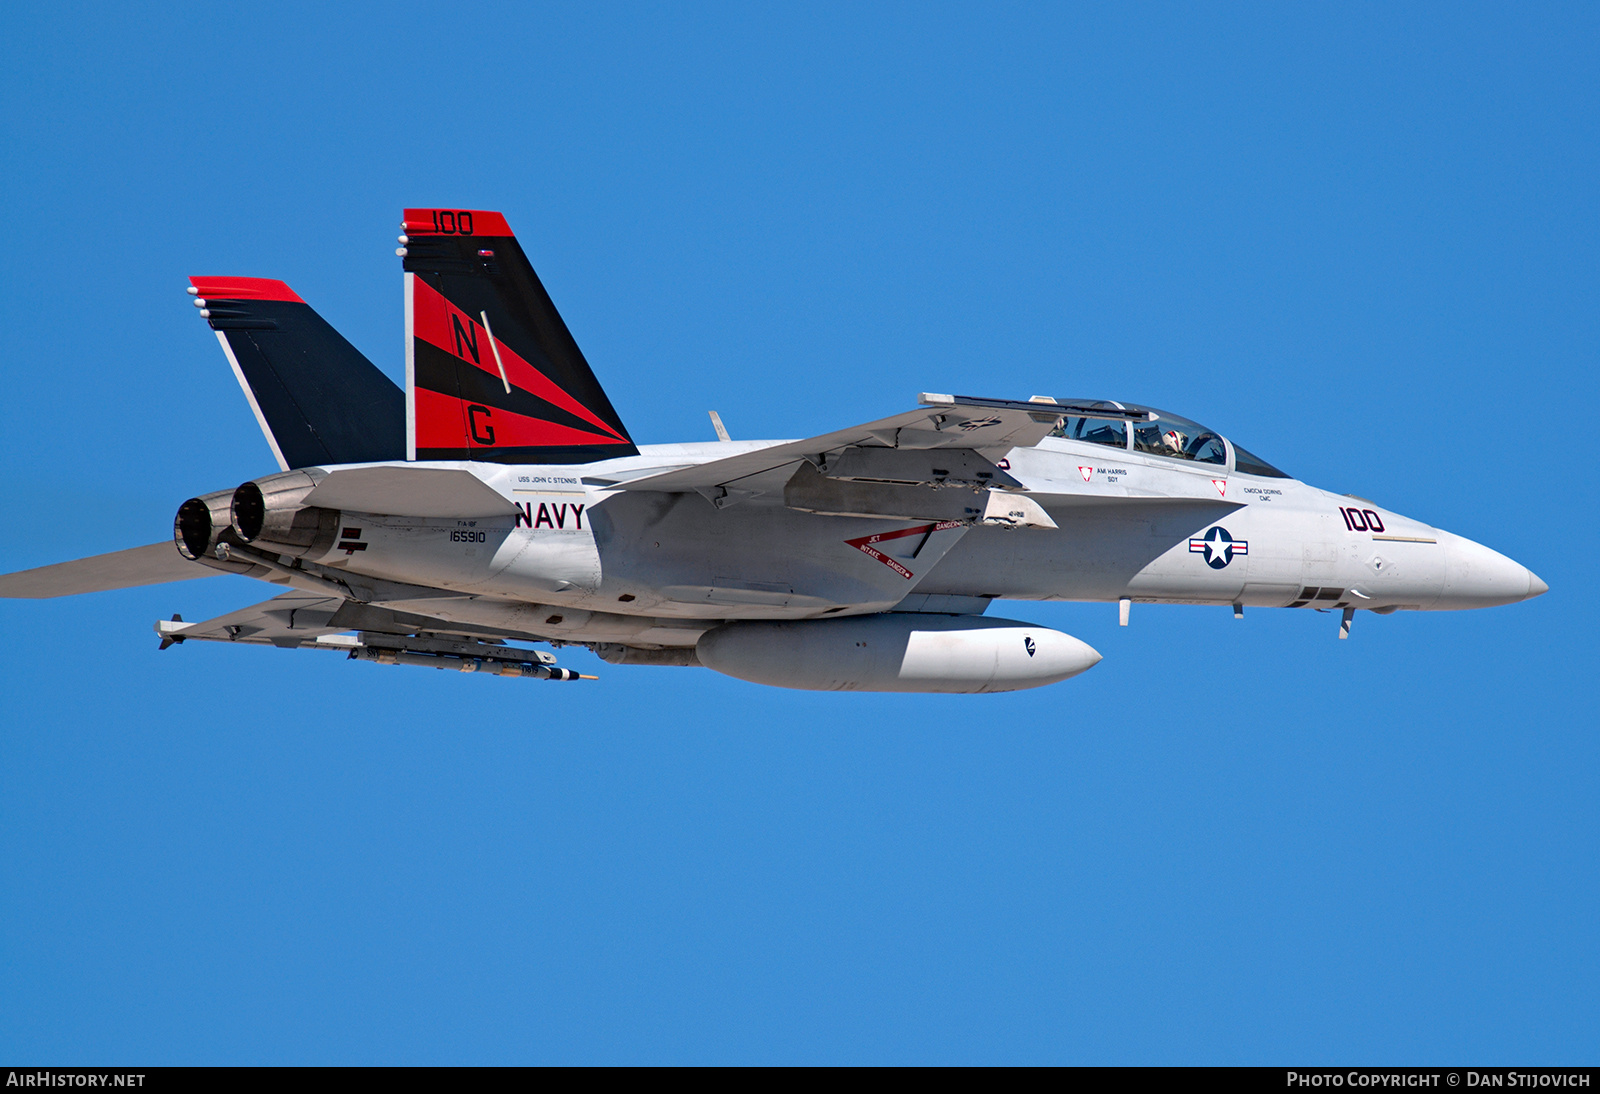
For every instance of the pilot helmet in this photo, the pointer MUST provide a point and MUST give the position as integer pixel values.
(1174, 440)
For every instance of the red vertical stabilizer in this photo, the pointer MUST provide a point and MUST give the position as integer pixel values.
(492, 371)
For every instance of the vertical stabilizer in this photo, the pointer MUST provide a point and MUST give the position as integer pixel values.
(492, 372)
(317, 398)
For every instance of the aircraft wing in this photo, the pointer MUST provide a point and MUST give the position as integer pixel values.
(943, 422)
(150, 565)
(286, 620)
(299, 618)
(302, 620)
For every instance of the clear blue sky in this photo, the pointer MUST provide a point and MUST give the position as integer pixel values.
(1361, 239)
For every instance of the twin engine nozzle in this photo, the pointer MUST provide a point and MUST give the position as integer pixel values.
(267, 512)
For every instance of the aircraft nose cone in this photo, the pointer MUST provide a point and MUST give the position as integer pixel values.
(1477, 577)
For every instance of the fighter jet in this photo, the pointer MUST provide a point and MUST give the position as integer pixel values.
(499, 499)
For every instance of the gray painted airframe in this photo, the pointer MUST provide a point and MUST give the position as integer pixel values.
(864, 559)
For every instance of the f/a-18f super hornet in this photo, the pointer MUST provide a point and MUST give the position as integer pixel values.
(499, 499)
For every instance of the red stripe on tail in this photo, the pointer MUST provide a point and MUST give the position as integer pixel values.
(444, 421)
(455, 222)
(443, 325)
(244, 288)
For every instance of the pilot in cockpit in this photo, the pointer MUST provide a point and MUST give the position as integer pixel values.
(1147, 438)
(1179, 440)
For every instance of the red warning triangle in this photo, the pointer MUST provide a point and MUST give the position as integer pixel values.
(1221, 485)
(1086, 472)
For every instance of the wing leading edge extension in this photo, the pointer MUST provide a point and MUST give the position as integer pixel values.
(987, 428)
(902, 467)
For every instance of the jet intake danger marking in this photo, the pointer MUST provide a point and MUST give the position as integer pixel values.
(1218, 547)
(555, 515)
(865, 543)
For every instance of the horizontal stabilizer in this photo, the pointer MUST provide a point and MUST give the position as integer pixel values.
(152, 565)
(410, 492)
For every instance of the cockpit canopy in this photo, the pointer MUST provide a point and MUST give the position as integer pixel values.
(1165, 434)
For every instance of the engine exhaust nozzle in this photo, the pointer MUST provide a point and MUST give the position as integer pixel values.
(270, 512)
(202, 523)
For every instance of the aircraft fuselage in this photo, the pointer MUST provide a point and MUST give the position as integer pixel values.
(582, 562)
